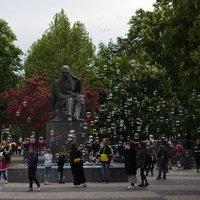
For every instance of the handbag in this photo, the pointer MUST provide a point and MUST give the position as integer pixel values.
(104, 157)
(77, 160)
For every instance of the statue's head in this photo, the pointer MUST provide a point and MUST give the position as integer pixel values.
(65, 71)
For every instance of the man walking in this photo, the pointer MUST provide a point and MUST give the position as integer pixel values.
(32, 168)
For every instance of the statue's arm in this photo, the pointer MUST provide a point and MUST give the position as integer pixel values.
(61, 95)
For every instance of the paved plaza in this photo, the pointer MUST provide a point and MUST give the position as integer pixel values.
(183, 185)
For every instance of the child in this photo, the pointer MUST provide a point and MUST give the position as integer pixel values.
(48, 165)
(61, 161)
(3, 167)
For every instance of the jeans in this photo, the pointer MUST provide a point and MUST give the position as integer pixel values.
(162, 167)
(132, 179)
(47, 174)
(105, 171)
(179, 161)
(3, 172)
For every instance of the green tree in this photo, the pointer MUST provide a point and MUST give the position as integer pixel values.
(168, 36)
(139, 97)
(9, 57)
(60, 45)
(9, 62)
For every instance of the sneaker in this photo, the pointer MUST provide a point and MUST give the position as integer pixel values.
(164, 177)
(83, 185)
(29, 189)
(77, 186)
(39, 189)
(133, 184)
(131, 187)
(141, 185)
(6, 182)
(146, 184)
(61, 182)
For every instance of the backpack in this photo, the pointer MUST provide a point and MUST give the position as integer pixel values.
(148, 158)
(163, 152)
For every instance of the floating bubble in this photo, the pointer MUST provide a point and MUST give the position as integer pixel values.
(70, 137)
(17, 113)
(162, 119)
(91, 138)
(83, 152)
(96, 119)
(108, 118)
(105, 67)
(130, 101)
(85, 125)
(52, 132)
(117, 65)
(177, 123)
(72, 131)
(118, 71)
(173, 129)
(83, 134)
(88, 114)
(136, 136)
(28, 119)
(24, 103)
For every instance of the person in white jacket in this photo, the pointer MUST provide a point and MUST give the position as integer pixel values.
(48, 165)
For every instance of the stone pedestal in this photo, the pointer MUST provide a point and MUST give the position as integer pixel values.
(61, 133)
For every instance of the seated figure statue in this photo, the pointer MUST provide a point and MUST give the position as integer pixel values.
(66, 96)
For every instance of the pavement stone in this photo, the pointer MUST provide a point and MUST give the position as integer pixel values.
(180, 185)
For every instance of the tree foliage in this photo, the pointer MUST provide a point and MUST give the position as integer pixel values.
(168, 36)
(59, 45)
(139, 97)
(9, 57)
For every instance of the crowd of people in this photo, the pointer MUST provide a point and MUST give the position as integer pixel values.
(139, 157)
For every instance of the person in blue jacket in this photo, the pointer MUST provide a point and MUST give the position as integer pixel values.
(32, 168)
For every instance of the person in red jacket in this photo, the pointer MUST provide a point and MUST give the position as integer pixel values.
(179, 153)
(3, 167)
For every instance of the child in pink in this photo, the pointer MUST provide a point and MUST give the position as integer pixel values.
(3, 167)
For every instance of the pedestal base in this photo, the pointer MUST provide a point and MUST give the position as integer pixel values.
(60, 134)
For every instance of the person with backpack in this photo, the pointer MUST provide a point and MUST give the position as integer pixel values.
(179, 153)
(152, 157)
(142, 160)
(162, 159)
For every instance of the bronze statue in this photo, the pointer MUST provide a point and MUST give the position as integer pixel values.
(66, 96)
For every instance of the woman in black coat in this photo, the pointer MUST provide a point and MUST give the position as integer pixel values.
(130, 163)
(76, 164)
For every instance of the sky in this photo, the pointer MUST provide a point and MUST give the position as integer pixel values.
(103, 19)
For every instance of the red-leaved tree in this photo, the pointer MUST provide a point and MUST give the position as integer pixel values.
(28, 108)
